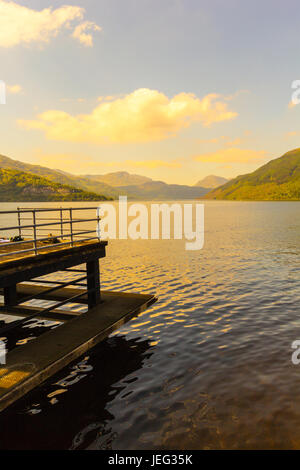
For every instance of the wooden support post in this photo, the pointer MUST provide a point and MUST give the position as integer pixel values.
(93, 282)
(10, 295)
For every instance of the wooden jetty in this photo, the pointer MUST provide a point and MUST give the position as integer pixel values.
(24, 263)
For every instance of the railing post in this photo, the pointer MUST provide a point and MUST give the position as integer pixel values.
(98, 223)
(34, 231)
(19, 222)
(61, 223)
(71, 225)
(93, 283)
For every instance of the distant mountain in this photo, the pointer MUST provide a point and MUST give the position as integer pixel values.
(142, 188)
(211, 181)
(112, 184)
(158, 190)
(119, 179)
(19, 186)
(278, 180)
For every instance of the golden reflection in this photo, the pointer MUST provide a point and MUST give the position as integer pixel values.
(9, 379)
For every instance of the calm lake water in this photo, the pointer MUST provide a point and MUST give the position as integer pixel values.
(207, 367)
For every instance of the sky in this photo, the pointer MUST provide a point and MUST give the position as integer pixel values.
(171, 89)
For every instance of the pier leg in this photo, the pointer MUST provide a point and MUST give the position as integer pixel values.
(93, 282)
(10, 295)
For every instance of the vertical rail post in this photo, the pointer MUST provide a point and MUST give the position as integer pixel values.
(61, 223)
(93, 283)
(71, 226)
(19, 222)
(98, 223)
(34, 231)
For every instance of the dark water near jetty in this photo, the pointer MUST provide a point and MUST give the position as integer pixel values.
(207, 367)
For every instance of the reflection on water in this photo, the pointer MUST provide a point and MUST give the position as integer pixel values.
(62, 412)
(208, 366)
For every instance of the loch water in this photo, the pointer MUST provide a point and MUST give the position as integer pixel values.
(206, 367)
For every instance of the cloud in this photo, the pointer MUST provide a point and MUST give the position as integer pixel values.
(292, 134)
(14, 89)
(22, 25)
(291, 105)
(232, 155)
(80, 32)
(142, 116)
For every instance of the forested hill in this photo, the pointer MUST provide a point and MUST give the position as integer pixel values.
(19, 186)
(279, 180)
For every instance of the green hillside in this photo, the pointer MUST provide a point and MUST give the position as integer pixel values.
(278, 180)
(58, 176)
(112, 184)
(19, 186)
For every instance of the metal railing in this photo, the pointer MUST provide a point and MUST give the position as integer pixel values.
(32, 223)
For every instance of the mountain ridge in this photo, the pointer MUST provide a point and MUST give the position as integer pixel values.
(212, 181)
(146, 189)
(119, 179)
(279, 179)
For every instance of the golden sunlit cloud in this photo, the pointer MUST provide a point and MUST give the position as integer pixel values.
(291, 105)
(292, 134)
(14, 89)
(80, 32)
(142, 116)
(23, 25)
(232, 155)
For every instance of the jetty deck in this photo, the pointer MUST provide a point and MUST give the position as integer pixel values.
(24, 268)
(29, 365)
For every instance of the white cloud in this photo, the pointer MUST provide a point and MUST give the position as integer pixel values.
(80, 32)
(142, 116)
(23, 25)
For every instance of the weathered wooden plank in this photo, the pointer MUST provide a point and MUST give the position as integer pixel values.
(29, 365)
(55, 315)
